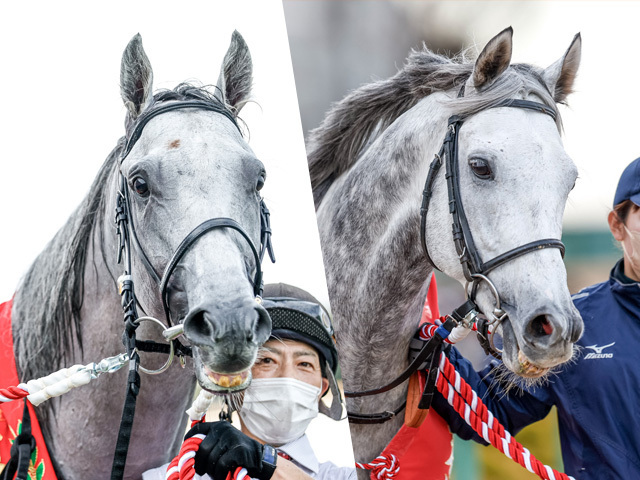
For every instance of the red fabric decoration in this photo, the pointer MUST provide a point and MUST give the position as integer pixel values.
(41, 467)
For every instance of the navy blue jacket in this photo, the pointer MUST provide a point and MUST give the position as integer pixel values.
(597, 395)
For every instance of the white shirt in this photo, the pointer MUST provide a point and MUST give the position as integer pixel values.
(301, 455)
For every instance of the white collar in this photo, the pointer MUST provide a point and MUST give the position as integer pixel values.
(301, 452)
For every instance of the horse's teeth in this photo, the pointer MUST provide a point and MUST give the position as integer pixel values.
(226, 381)
(527, 367)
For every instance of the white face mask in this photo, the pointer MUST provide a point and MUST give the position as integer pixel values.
(279, 410)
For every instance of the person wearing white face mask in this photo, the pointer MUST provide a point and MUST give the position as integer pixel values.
(596, 393)
(294, 369)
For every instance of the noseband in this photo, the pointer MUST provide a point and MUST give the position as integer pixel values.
(474, 269)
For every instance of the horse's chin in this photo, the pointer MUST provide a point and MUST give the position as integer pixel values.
(222, 383)
(527, 369)
(515, 359)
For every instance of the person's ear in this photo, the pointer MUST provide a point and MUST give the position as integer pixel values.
(616, 226)
(324, 387)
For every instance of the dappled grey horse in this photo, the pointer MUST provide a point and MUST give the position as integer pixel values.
(181, 168)
(368, 163)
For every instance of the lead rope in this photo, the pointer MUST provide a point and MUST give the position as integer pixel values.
(182, 466)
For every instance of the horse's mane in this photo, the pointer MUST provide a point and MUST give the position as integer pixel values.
(354, 122)
(51, 293)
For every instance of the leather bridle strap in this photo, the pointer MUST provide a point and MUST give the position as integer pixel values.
(427, 349)
(168, 107)
(462, 237)
(373, 418)
(192, 237)
(521, 250)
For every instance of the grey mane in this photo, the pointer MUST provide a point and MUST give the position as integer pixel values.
(354, 122)
(52, 290)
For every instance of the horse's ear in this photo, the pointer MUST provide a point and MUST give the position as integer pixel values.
(136, 78)
(493, 60)
(236, 74)
(561, 75)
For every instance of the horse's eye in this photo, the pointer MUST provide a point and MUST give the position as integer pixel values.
(260, 183)
(480, 168)
(140, 186)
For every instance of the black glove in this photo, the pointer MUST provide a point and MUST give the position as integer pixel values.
(226, 448)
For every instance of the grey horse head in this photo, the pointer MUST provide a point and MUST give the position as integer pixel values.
(515, 177)
(188, 166)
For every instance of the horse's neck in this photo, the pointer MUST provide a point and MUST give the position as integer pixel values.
(370, 227)
(376, 271)
(91, 414)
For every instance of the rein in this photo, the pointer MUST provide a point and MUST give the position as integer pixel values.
(126, 231)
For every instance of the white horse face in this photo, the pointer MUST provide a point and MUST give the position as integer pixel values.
(515, 178)
(189, 166)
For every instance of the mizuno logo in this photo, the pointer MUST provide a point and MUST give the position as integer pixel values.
(597, 352)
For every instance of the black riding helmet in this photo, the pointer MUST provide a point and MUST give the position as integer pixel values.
(297, 315)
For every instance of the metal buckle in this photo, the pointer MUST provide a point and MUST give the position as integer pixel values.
(498, 315)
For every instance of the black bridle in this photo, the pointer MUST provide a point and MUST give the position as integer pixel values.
(126, 232)
(475, 270)
(468, 254)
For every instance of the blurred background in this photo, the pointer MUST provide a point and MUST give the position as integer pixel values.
(338, 46)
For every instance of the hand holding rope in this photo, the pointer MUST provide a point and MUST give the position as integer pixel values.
(215, 448)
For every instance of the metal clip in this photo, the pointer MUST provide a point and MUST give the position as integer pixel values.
(108, 365)
(469, 319)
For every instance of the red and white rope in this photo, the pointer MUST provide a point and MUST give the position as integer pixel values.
(385, 466)
(470, 407)
(182, 466)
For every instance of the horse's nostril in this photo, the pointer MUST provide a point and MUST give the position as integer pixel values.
(197, 328)
(541, 326)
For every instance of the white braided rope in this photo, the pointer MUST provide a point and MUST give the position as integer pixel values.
(57, 383)
(200, 405)
(66, 379)
(458, 333)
